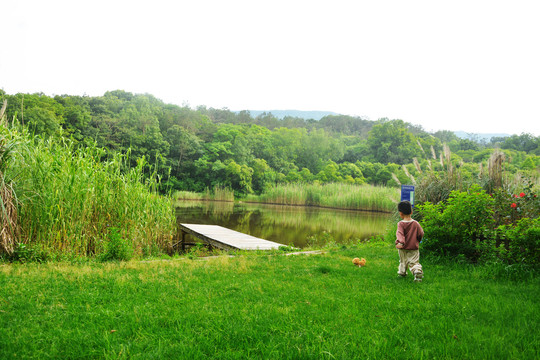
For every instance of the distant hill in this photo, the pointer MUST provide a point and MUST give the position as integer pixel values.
(280, 114)
(478, 137)
(318, 115)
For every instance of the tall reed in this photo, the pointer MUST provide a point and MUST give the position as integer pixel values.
(9, 225)
(335, 195)
(223, 194)
(69, 198)
(217, 194)
(436, 186)
(496, 169)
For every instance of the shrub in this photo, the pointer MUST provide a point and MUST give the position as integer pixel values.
(25, 253)
(460, 226)
(511, 207)
(520, 243)
(116, 248)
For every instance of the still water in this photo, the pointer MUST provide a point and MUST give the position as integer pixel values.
(289, 225)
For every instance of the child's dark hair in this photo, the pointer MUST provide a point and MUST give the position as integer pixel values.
(405, 207)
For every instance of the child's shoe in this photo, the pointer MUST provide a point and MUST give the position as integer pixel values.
(418, 277)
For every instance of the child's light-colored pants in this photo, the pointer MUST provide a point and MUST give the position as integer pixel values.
(409, 259)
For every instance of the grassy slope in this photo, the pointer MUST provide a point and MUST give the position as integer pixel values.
(287, 307)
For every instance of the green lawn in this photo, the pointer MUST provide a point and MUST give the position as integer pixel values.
(266, 307)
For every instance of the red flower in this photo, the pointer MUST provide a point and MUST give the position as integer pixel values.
(522, 194)
(514, 205)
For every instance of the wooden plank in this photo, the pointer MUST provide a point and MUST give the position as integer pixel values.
(227, 239)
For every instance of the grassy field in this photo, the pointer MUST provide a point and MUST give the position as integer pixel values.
(255, 306)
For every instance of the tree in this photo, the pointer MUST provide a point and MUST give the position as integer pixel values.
(345, 125)
(140, 130)
(42, 114)
(391, 141)
(239, 177)
(329, 173)
(184, 146)
(446, 136)
(523, 142)
(268, 120)
(42, 121)
(318, 147)
(263, 176)
(77, 115)
(349, 170)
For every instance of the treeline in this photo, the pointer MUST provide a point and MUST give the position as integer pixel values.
(194, 149)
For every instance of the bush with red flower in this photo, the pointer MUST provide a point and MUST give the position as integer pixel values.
(510, 208)
(478, 226)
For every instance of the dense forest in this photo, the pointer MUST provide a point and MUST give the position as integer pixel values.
(194, 149)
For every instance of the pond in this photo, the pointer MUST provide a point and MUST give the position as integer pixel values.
(298, 226)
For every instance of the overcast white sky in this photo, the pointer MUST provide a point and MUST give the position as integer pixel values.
(469, 65)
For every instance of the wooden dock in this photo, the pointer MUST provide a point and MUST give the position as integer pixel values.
(223, 238)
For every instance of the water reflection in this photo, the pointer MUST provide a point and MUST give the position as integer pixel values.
(288, 225)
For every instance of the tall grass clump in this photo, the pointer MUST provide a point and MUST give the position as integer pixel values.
(116, 248)
(334, 195)
(217, 194)
(223, 194)
(187, 195)
(69, 197)
(8, 200)
(436, 186)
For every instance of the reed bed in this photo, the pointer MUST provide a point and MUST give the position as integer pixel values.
(69, 199)
(335, 195)
(217, 194)
(188, 195)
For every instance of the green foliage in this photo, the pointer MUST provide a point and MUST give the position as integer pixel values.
(198, 250)
(287, 248)
(446, 136)
(194, 149)
(529, 163)
(523, 142)
(520, 243)
(392, 142)
(116, 248)
(9, 225)
(68, 197)
(492, 228)
(435, 187)
(510, 208)
(458, 226)
(26, 253)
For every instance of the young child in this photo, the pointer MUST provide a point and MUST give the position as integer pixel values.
(408, 234)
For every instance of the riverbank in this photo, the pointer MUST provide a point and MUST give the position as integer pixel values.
(259, 307)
